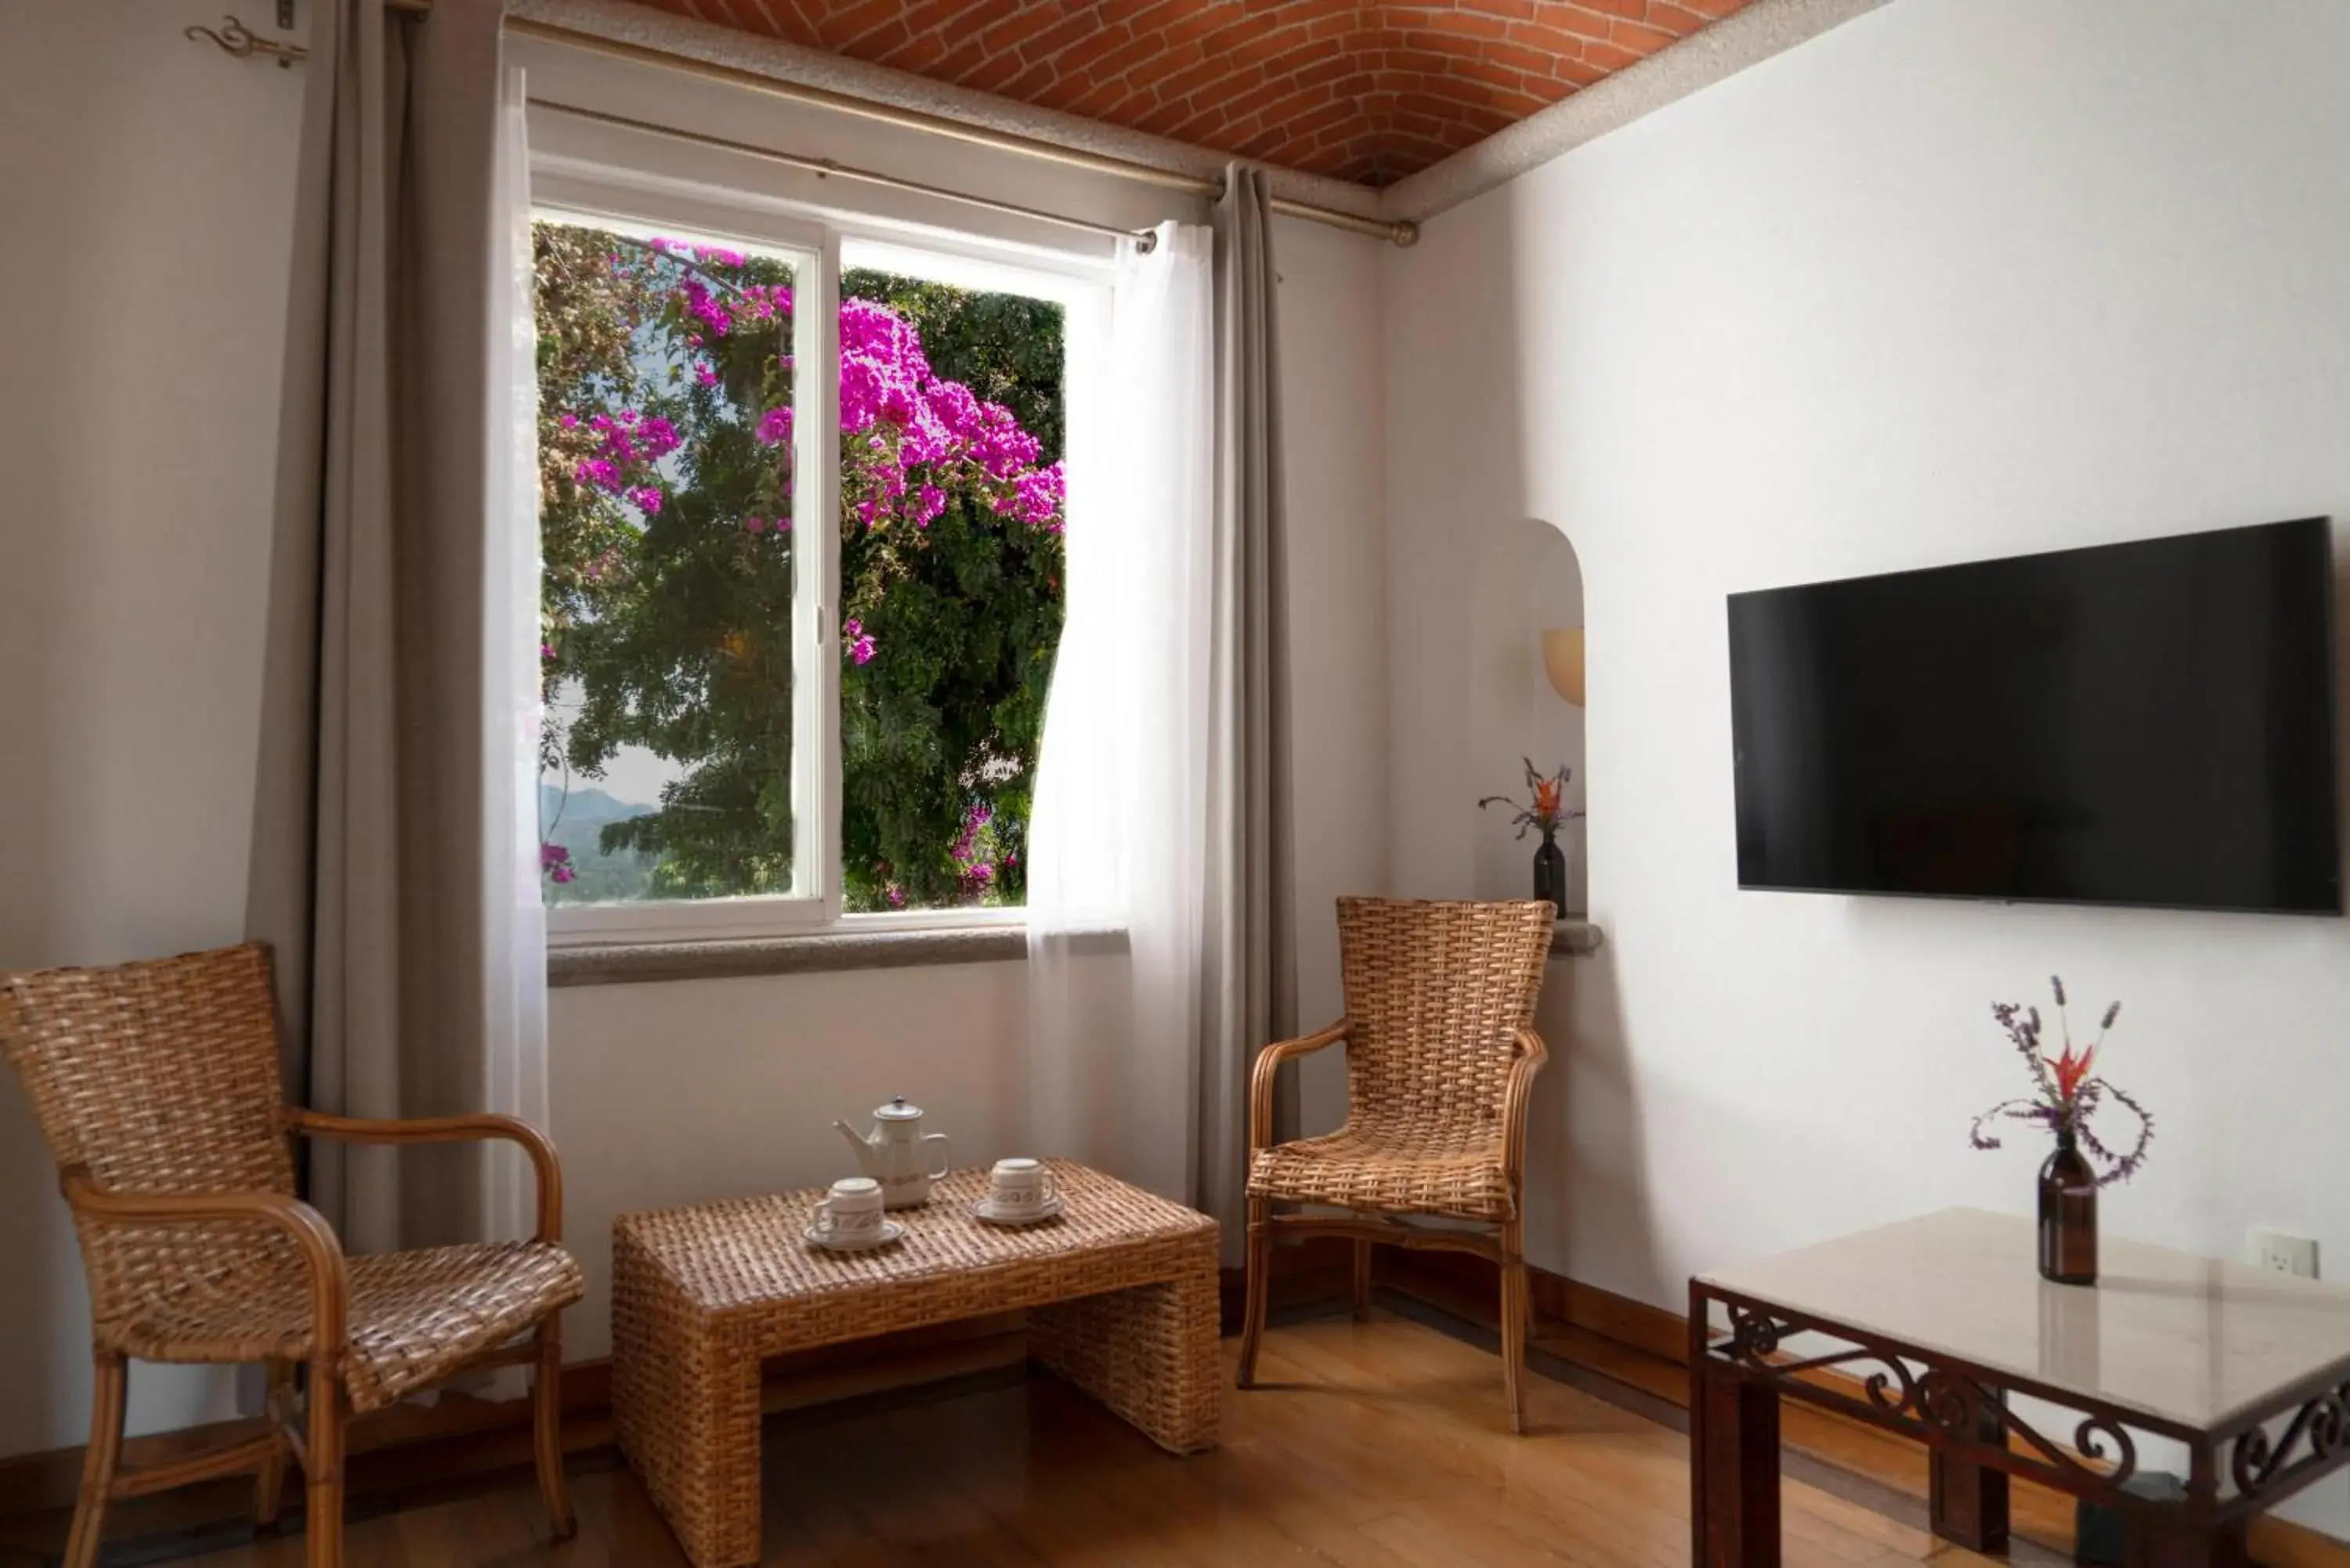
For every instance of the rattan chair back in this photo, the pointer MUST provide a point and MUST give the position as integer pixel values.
(1436, 993)
(158, 1077)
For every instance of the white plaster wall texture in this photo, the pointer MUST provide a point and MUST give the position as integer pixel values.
(1959, 278)
(142, 301)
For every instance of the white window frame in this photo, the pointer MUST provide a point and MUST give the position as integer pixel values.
(565, 188)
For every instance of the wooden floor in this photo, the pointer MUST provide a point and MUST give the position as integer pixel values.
(1373, 1444)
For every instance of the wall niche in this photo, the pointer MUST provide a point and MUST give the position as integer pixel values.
(1528, 583)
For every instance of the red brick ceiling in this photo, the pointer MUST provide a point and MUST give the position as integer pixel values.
(1367, 90)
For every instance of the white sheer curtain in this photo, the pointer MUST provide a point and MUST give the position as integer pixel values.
(1120, 831)
(514, 924)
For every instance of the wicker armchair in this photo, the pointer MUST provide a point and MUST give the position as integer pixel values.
(156, 1088)
(1441, 1054)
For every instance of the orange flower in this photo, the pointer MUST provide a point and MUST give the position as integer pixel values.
(2070, 1069)
(1547, 812)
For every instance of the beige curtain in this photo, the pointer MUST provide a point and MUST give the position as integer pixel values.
(375, 821)
(1252, 970)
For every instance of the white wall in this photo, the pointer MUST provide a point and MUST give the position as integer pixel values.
(1959, 278)
(148, 182)
(143, 301)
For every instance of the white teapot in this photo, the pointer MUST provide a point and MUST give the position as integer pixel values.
(898, 1154)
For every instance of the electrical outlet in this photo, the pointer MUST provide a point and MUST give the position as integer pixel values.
(2278, 1253)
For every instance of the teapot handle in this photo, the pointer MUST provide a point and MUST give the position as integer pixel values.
(939, 1139)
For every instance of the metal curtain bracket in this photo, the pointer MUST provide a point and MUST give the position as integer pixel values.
(234, 37)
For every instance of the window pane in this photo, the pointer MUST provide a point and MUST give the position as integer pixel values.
(665, 471)
(951, 524)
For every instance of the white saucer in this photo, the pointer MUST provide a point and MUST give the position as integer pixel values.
(890, 1232)
(1048, 1210)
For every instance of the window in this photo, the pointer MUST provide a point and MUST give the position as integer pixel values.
(802, 520)
(953, 513)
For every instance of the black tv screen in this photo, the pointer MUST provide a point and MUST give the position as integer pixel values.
(2140, 723)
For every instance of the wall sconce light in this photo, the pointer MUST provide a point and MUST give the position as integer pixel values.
(1562, 662)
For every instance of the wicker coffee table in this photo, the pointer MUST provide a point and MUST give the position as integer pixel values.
(1120, 1291)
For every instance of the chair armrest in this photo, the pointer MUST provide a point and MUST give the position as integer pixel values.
(1268, 1063)
(448, 1129)
(322, 1253)
(1532, 1054)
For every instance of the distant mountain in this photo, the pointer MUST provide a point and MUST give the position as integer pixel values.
(587, 805)
(596, 876)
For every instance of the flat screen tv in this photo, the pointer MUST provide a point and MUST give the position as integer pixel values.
(2140, 723)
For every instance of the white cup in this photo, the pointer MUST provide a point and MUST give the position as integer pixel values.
(851, 1211)
(1019, 1186)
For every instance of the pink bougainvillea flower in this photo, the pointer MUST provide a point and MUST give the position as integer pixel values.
(647, 500)
(862, 650)
(774, 426)
(703, 307)
(927, 438)
(656, 438)
(1038, 494)
(546, 650)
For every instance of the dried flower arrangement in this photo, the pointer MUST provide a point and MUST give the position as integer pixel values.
(1546, 813)
(2069, 1094)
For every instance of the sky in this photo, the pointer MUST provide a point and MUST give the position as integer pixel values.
(633, 777)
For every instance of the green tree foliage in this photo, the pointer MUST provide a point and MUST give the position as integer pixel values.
(666, 435)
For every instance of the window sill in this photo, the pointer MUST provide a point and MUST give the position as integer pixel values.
(1575, 938)
(652, 964)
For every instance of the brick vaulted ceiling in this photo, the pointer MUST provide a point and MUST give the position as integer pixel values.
(1367, 90)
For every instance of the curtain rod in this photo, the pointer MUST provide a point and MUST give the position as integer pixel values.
(1400, 233)
(1144, 239)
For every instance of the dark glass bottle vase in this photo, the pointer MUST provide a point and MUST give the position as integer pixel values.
(1550, 873)
(2068, 1216)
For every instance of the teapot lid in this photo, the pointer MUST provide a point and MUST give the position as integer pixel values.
(897, 1110)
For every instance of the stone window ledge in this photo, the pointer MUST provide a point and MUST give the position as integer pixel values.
(649, 964)
(652, 964)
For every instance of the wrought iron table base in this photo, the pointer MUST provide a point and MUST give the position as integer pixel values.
(2237, 1468)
